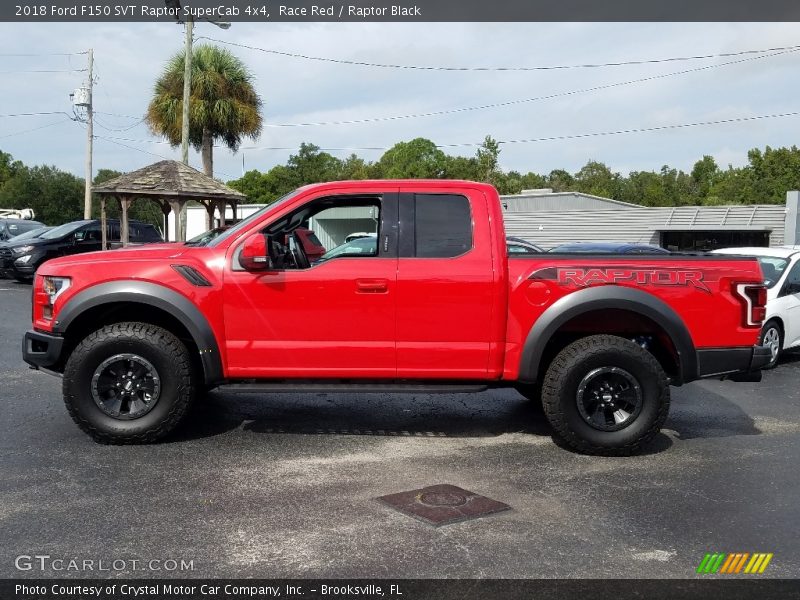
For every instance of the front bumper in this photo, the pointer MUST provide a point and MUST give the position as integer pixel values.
(736, 364)
(41, 350)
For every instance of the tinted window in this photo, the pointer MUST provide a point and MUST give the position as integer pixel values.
(793, 279)
(443, 226)
(143, 233)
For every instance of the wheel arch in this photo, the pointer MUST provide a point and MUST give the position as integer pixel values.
(608, 298)
(147, 302)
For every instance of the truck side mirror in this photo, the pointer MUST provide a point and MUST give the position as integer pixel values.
(255, 255)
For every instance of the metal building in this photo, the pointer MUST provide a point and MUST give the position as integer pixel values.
(549, 219)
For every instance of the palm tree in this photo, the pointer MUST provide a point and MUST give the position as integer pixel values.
(223, 104)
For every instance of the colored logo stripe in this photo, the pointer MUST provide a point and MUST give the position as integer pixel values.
(733, 563)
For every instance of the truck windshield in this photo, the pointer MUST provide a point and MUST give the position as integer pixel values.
(246, 221)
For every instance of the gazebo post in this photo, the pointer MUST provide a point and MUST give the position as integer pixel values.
(177, 205)
(233, 208)
(103, 225)
(124, 204)
(165, 209)
(211, 207)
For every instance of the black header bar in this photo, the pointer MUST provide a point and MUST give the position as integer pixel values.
(401, 10)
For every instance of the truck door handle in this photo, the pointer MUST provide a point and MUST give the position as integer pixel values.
(372, 286)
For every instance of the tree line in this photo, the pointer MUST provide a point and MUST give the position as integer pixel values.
(765, 179)
(57, 196)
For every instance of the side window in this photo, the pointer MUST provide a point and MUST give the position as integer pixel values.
(88, 234)
(330, 228)
(792, 285)
(341, 231)
(443, 226)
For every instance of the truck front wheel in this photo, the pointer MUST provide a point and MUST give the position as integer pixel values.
(128, 383)
(605, 395)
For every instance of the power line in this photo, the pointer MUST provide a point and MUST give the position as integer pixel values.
(535, 68)
(46, 54)
(34, 129)
(552, 96)
(45, 71)
(563, 137)
(36, 114)
(637, 130)
(596, 88)
(118, 143)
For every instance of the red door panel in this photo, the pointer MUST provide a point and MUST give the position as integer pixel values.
(445, 305)
(336, 320)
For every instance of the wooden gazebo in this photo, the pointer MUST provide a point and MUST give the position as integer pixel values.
(170, 184)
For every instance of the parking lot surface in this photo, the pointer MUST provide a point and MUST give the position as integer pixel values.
(285, 485)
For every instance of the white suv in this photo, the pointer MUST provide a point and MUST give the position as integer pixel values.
(781, 269)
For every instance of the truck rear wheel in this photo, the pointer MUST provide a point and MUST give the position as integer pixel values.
(605, 395)
(129, 383)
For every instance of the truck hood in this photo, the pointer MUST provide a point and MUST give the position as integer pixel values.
(146, 252)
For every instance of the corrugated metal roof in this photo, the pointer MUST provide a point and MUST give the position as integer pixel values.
(558, 201)
(642, 224)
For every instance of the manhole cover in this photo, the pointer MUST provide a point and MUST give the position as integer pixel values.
(442, 499)
(443, 504)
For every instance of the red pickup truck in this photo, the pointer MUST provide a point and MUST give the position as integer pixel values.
(436, 305)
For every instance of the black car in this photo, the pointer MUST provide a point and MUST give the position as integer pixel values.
(10, 228)
(21, 259)
(607, 248)
(518, 245)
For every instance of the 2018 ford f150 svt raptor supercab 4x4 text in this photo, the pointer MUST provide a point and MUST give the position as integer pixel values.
(436, 305)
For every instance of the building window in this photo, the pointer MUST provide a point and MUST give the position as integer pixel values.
(703, 241)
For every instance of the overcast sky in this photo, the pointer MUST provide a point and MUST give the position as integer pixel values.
(129, 57)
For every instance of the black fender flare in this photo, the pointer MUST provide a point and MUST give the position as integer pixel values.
(157, 296)
(608, 297)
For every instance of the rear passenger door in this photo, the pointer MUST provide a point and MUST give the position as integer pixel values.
(445, 286)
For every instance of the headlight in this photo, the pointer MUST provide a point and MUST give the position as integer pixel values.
(54, 287)
(22, 249)
(23, 260)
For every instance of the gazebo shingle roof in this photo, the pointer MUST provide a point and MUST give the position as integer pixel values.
(167, 179)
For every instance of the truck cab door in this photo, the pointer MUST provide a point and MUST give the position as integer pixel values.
(446, 285)
(332, 318)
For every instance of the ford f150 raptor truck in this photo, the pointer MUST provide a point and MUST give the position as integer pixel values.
(436, 305)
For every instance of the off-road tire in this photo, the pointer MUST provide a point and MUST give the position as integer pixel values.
(772, 324)
(578, 360)
(163, 350)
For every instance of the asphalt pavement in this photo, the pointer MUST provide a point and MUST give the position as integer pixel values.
(285, 485)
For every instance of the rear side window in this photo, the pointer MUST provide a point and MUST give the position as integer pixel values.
(443, 226)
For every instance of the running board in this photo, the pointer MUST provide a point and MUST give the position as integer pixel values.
(333, 387)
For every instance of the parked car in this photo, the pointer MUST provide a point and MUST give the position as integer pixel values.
(10, 228)
(76, 237)
(140, 334)
(517, 246)
(360, 246)
(205, 237)
(359, 234)
(6, 260)
(781, 269)
(607, 248)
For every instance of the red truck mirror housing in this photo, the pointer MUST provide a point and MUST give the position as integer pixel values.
(254, 255)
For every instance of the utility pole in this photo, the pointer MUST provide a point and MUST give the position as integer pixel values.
(87, 198)
(187, 88)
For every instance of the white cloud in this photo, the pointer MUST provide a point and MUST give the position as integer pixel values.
(130, 56)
